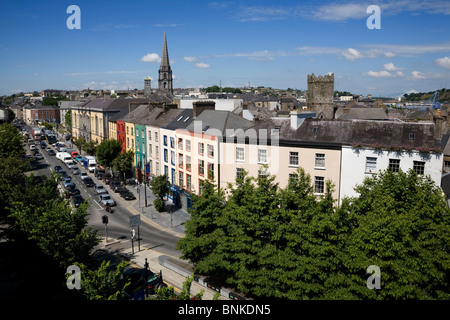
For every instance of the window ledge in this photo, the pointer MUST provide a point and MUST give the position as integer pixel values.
(319, 168)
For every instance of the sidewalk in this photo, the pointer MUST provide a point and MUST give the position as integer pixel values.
(171, 221)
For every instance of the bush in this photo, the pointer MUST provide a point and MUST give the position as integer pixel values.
(159, 204)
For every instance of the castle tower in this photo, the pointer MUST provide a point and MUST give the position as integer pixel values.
(147, 87)
(320, 95)
(165, 72)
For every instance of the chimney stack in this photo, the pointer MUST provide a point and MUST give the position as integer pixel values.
(199, 106)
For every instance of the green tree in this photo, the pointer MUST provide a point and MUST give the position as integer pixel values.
(49, 101)
(401, 223)
(202, 231)
(59, 231)
(68, 118)
(124, 162)
(107, 151)
(80, 142)
(168, 293)
(160, 187)
(90, 148)
(11, 142)
(105, 283)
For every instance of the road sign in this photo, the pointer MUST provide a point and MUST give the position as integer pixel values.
(135, 221)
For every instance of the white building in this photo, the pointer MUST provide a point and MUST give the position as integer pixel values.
(360, 163)
(220, 104)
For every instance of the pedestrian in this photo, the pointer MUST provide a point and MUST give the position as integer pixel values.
(137, 182)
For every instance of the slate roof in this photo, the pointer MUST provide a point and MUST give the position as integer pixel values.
(182, 120)
(345, 132)
(364, 114)
(137, 114)
(213, 120)
(120, 103)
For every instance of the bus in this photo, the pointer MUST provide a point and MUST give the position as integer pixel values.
(37, 133)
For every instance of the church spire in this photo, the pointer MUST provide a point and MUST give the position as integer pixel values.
(165, 54)
(165, 72)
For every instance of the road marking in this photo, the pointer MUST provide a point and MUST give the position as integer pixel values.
(97, 203)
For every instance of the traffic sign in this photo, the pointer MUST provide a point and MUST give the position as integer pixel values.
(135, 221)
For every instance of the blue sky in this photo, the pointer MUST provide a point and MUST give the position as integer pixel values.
(264, 43)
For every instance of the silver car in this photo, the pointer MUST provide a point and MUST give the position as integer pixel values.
(99, 189)
(75, 170)
(105, 198)
(83, 175)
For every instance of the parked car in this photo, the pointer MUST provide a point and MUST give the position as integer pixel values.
(105, 198)
(75, 169)
(127, 194)
(69, 184)
(138, 286)
(77, 199)
(63, 174)
(107, 178)
(98, 188)
(33, 147)
(72, 190)
(51, 152)
(115, 185)
(38, 156)
(89, 182)
(58, 168)
(83, 175)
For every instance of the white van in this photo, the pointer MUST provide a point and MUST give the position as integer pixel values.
(63, 156)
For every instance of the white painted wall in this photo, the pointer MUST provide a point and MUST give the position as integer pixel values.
(353, 166)
(221, 104)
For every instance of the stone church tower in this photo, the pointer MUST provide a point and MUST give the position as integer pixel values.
(147, 87)
(320, 95)
(165, 72)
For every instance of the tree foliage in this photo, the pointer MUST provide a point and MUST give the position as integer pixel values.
(79, 142)
(160, 186)
(124, 162)
(104, 283)
(49, 221)
(289, 243)
(107, 151)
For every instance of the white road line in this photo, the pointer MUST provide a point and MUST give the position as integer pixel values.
(97, 203)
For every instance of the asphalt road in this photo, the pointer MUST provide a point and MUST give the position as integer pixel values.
(118, 224)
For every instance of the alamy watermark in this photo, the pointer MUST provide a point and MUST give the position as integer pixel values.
(74, 20)
(374, 21)
(74, 280)
(374, 281)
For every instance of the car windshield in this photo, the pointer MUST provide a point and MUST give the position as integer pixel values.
(99, 187)
(106, 197)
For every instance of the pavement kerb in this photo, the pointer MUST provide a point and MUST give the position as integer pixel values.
(134, 211)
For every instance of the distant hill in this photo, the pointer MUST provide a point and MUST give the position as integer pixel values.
(443, 95)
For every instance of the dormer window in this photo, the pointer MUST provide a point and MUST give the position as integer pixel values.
(314, 130)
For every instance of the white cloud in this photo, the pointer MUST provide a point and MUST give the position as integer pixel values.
(339, 12)
(352, 54)
(444, 62)
(416, 75)
(379, 74)
(190, 59)
(202, 65)
(151, 57)
(390, 67)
